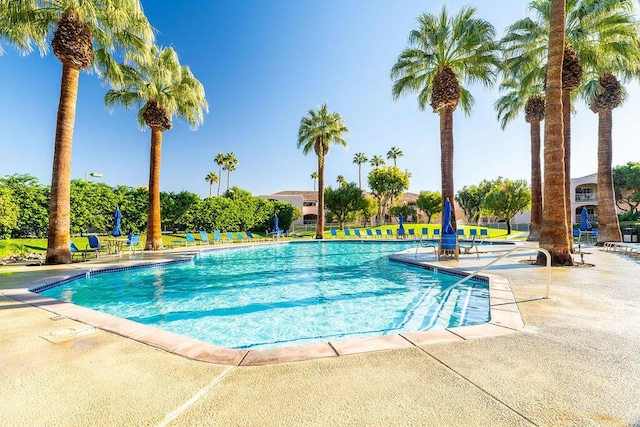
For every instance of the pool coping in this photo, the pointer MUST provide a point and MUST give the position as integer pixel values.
(504, 318)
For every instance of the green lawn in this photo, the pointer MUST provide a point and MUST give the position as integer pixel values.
(493, 233)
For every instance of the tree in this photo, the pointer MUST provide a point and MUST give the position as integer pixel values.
(173, 206)
(430, 202)
(470, 199)
(9, 212)
(377, 161)
(507, 198)
(407, 211)
(230, 164)
(211, 178)
(84, 35)
(369, 209)
(163, 88)
(344, 201)
(394, 153)
(626, 181)
(32, 199)
(554, 233)
(318, 131)
(220, 158)
(387, 183)
(314, 177)
(442, 52)
(359, 159)
(341, 180)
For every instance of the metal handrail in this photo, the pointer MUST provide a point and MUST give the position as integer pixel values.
(475, 273)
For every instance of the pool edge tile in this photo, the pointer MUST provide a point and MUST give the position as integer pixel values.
(368, 344)
(262, 357)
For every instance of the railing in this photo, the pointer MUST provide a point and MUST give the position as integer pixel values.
(519, 248)
(588, 197)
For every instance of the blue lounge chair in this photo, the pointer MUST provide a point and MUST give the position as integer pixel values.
(216, 237)
(75, 251)
(389, 232)
(204, 238)
(334, 233)
(378, 233)
(436, 233)
(230, 237)
(347, 233)
(473, 233)
(369, 233)
(188, 240)
(252, 237)
(425, 233)
(461, 233)
(484, 233)
(94, 245)
(133, 240)
(357, 233)
(241, 238)
(412, 232)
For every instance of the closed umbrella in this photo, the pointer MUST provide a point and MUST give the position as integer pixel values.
(400, 226)
(117, 217)
(585, 225)
(275, 223)
(448, 229)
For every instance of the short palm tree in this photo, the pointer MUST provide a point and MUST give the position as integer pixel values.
(85, 34)
(314, 177)
(359, 159)
(230, 164)
(156, 82)
(318, 130)
(211, 178)
(376, 161)
(394, 153)
(220, 162)
(444, 52)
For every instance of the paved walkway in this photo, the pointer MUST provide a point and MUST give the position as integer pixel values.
(576, 362)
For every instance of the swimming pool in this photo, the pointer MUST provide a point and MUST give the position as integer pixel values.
(285, 294)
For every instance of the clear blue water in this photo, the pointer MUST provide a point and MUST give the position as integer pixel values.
(289, 294)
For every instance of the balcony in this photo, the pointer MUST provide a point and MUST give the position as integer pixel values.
(586, 197)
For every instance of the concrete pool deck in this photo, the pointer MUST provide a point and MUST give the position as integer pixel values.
(576, 361)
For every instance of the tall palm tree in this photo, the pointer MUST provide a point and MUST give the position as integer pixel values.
(523, 90)
(84, 34)
(359, 159)
(341, 180)
(220, 162)
(376, 161)
(553, 235)
(527, 41)
(156, 82)
(230, 164)
(443, 52)
(394, 153)
(211, 178)
(314, 177)
(318, 131)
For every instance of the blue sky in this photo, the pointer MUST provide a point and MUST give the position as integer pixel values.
(264, 65)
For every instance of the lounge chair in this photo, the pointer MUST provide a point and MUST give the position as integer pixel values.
(230, 237)
(204, 238)
(347, 233)
(94, 245)
(461, 233)
(436, 233)
(241, 238)
(252, 237)
(357, 233)
(448, 245)
(188, 240)
(412, 233)
(466, 247)
(369, 233)
(334, 233)
(424, 234)
(75, 251)
(378, 233)
(473, 233)
(133, 240)
(216, 237)
(484, 233)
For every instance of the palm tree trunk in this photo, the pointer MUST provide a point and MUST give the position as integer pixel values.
(58, 251)
(536, 183)
(360, 176)
(566, 126)
(228, 178)
(154, 227)
(608, 225)
(210, 185)
(446, 160)
(554, 233)
(220, 180)
(320, 223)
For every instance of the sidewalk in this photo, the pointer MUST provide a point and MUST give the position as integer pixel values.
(576, 362)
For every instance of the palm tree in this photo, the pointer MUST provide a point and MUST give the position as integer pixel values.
(524, 91)
(318, 131)
(156, 82)
(211, 178)
(220, 162)
(340, 180)
(359, 159)
(445, 51)
(394, 153)
(376, 161)
(230, 164)
(314, 177)
(553, 234)
(84, 35)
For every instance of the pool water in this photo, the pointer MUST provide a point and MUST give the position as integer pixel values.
(286, 294)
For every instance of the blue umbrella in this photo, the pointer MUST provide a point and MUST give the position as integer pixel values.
(585, 225)
(400, 226)
(448, 229)
(275, 223)
(117, 217)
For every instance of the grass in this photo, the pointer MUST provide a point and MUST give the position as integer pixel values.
(493, 233)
